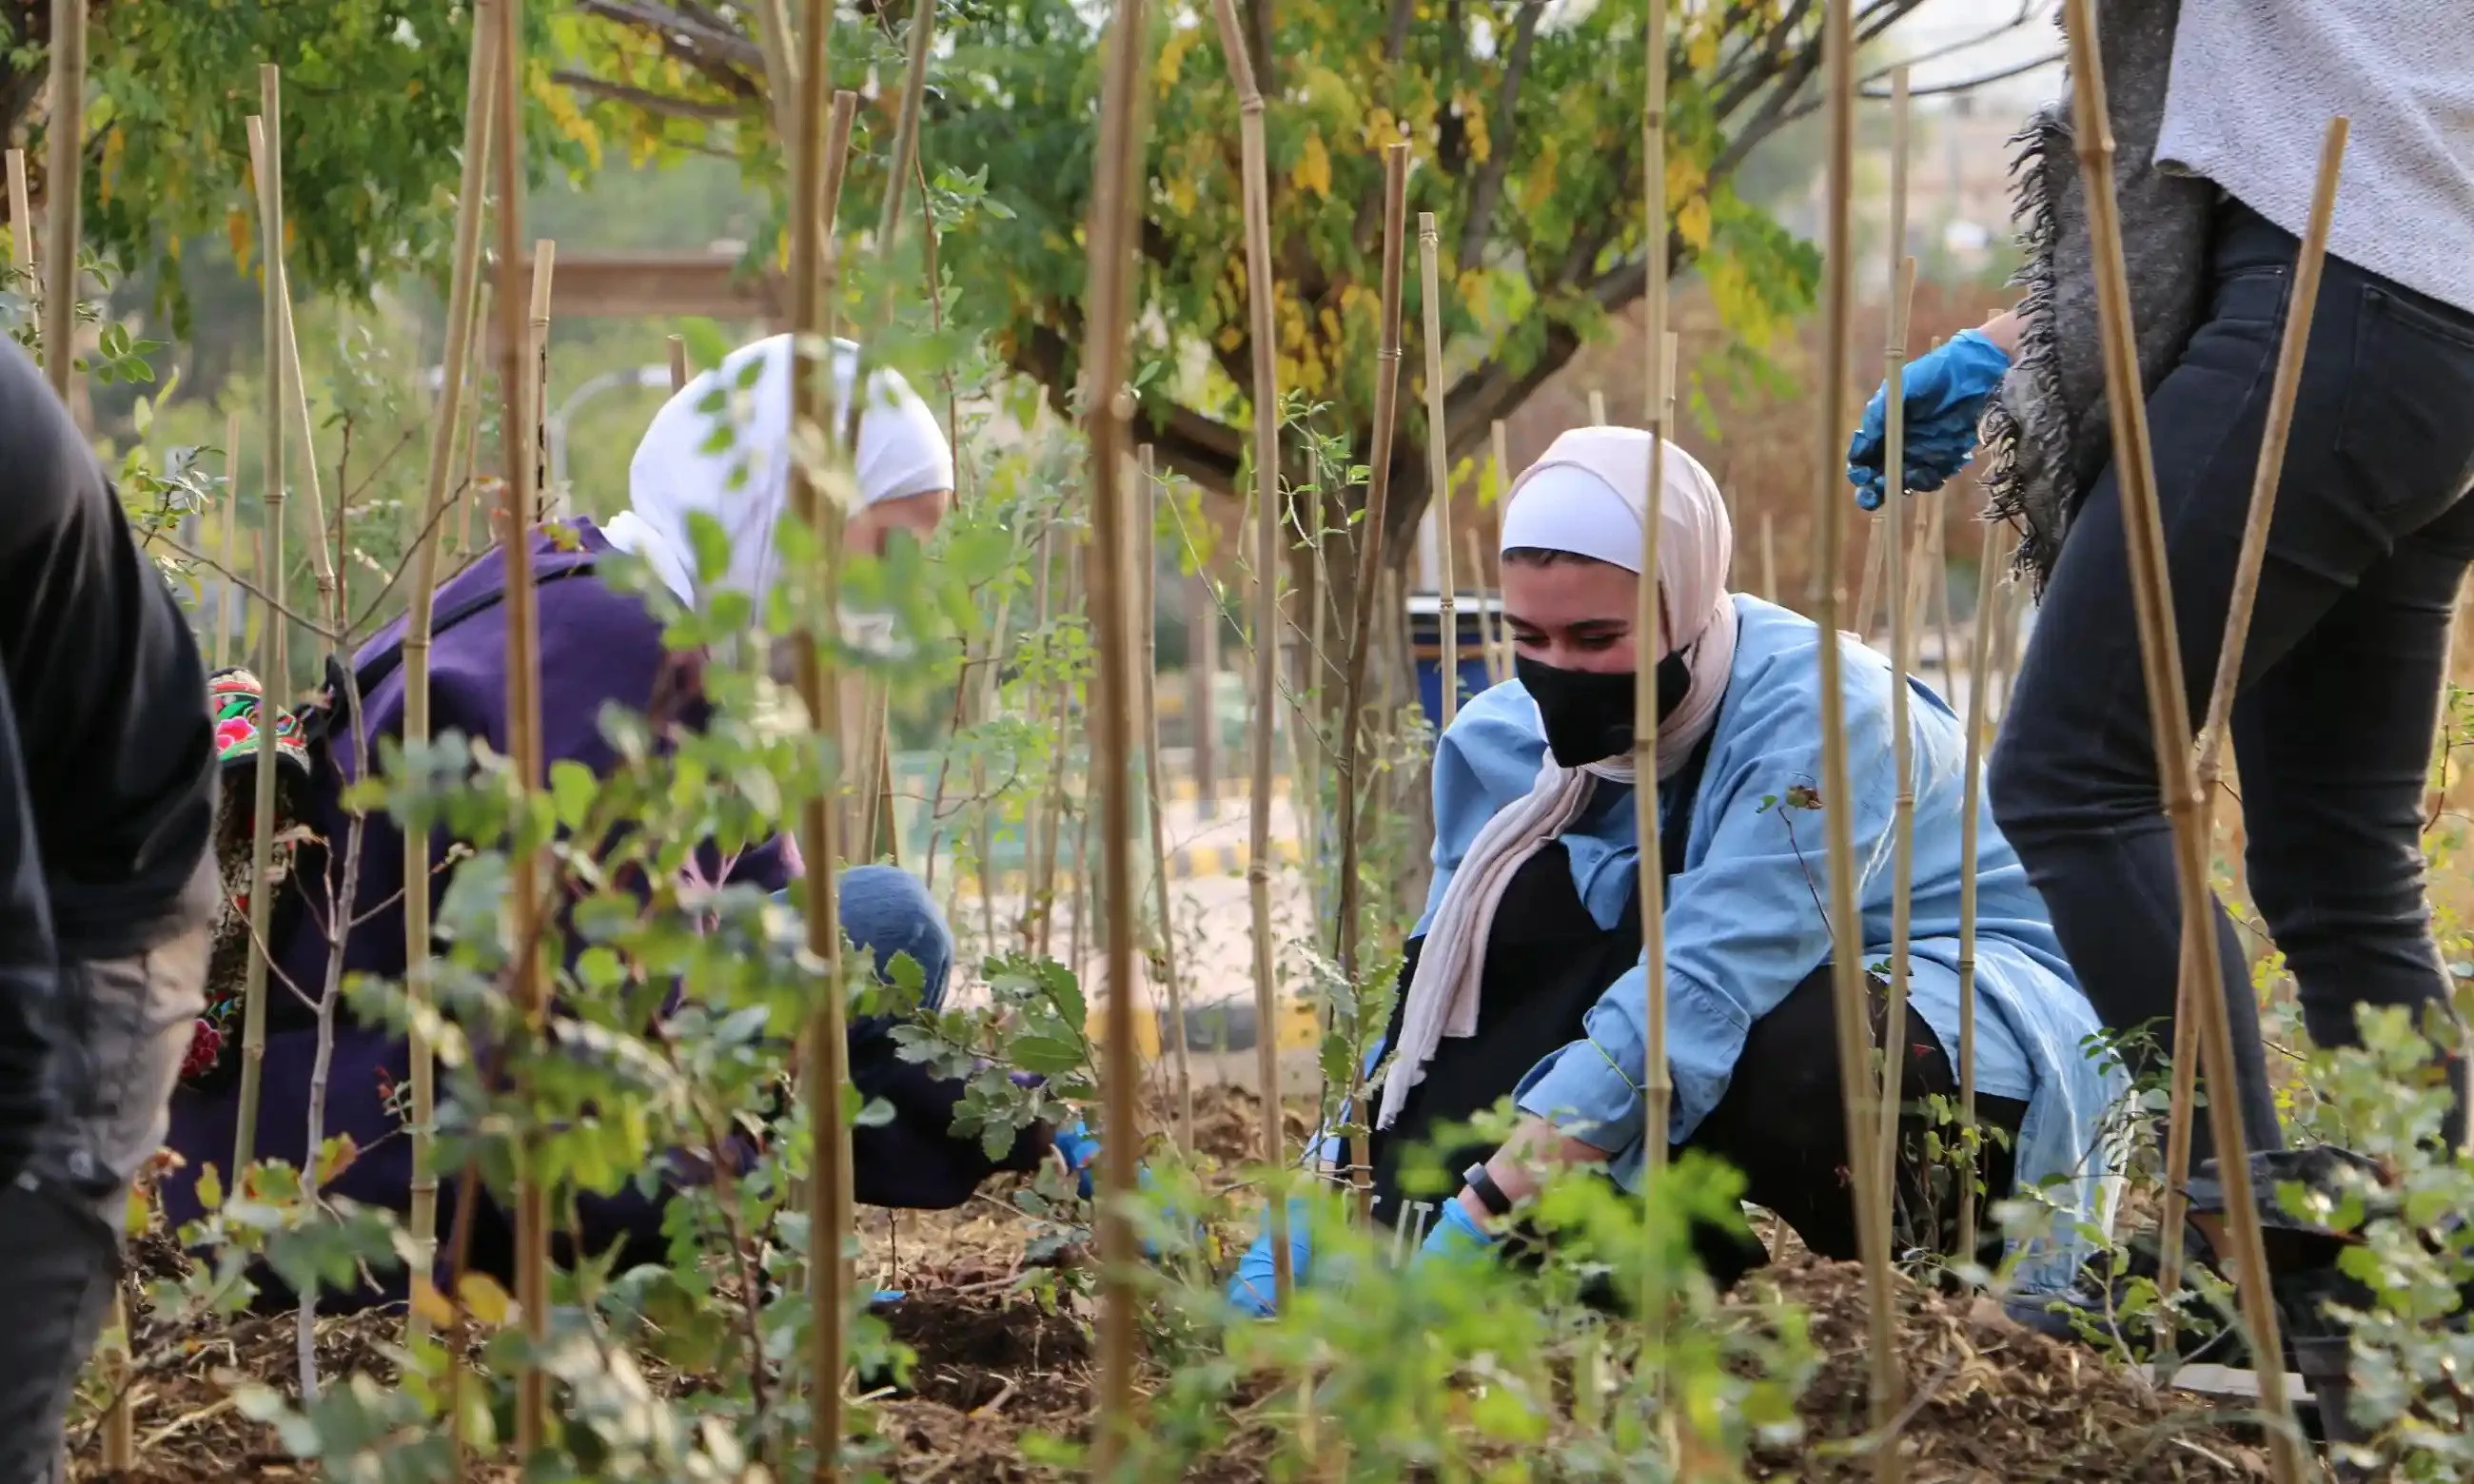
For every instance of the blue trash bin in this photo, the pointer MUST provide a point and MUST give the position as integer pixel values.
(1474, 613)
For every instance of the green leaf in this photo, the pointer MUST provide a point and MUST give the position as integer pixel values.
(573, 789)
(1045, 1055)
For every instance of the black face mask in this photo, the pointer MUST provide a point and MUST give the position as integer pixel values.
(1589, 713)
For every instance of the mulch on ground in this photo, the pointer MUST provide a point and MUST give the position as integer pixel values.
(1985, 1400)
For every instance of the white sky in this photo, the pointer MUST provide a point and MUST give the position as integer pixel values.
(1938, 23)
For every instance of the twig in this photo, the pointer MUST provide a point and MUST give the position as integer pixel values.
(1147, 616)
(1894, 547)
(1439, 463)
(63, 189)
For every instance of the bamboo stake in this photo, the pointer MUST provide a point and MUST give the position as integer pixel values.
(228, 548)
(515, 435)
(2170, 720)
(1502, 491)
(1903, 807)
(1147, 624)
(1370, 560)
(1868, 591)
(1769, 561)
(1838, 811)
(829, 1212)
(267, 136)
(546, 501)
(2197, 935)
(271, 660)
(1109, 408)
(1264, 348)
(1485, 639)
(1650, 632)
(63, 186)
(1979, 688)
(472, 187)
(471, 499)
(678, 348)
(1439, 469)
(1598, 406)
(21, 225)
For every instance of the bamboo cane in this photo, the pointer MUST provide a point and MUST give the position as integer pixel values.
(678, 349)
(1147, 623)
(527, 869)
(829, 1213)
(2197, 936)
(268, 136)
(1769, 561)
(1868, 591)
(546, 501)
(471, 497)
(1485, 639)
(1979, 688)
(270, 570)
(1903, 807)
(1370, 560)
(1837, 804)
(1103, 360)
(226, 549)
(1439, 467)
(471, 190)
(1598, 406)
(1263, 349)
(1650, 634)
(1501, 446)
(21, 226)
(2170, 720)
(63, 184)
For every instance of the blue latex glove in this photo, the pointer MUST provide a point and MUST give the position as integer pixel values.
(1944, 392)
(887, 1296)
(1457, 1237)
(1253, 1289)
(1081, 1151)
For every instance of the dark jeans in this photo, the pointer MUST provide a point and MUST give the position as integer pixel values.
(126, 1024)
(2332, 730)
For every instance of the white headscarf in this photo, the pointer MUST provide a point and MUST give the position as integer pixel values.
(745, 485)
(1587, 494)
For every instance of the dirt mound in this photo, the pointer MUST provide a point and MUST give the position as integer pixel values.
(982, 1350)
(1986, 1400)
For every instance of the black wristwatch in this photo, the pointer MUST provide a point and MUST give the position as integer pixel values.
(1489, 1194)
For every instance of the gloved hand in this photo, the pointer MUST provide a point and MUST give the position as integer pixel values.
(1943, 393)
(1079, 1151)
(1456, 1236)
(1254, 1288)
(887, 1296)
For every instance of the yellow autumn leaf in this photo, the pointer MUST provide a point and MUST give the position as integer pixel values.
(1313, 172)
(1172, 57)
(431, 1304)
(1181, 194)
(1692, 223)
(1685, 179)
(1701, 52)
(483, 1298)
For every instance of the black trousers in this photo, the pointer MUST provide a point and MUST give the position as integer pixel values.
(1783, 1123)
(2333, 729)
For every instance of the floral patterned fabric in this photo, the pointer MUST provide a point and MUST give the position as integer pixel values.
(237, 702)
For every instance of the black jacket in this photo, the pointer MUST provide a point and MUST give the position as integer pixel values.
(106, 802)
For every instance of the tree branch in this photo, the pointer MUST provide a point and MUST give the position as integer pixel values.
(642, 98)
(1487, 191)
(700, 40)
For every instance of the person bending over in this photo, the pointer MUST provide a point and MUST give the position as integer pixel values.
(1523, 977)
(599, 645)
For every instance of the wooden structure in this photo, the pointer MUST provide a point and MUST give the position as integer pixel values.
(716, 285)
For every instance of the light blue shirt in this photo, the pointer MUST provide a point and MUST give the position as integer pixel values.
(1744, 924)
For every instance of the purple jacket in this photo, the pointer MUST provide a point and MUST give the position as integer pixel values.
(599, 646)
